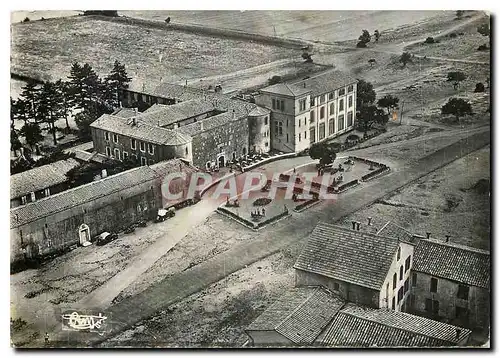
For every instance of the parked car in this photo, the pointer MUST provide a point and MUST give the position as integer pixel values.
(106, 237)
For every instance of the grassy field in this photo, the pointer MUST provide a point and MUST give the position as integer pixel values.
(48, 48)
(308, 25)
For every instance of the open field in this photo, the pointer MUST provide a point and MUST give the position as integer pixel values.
(309, 25)
(48, 48)
(453, 200)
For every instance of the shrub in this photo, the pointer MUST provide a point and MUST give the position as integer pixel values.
(452, 35)
(483, 48)
(26, 19)
(275, 79)
(479, 87)
(429, 40)
(361, 44)
(262, 201)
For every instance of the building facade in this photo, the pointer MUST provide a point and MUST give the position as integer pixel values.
(310, 111)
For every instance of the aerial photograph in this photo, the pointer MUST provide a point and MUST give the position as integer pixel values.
(250, 179)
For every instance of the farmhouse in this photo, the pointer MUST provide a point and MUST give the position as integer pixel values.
(360, 267)
(74, 216)
(40, 182)
(309, 111)
(315, 316)
(206, 131)
(452, 282)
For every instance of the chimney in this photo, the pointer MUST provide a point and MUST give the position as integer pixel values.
(447, 238)
(104, 173)
(428, 235)
(234, 113)
(201, 125)
(357, 225)
(353, 225)
(458, 331)
(133, 121)
(369, 221)
(304, 84)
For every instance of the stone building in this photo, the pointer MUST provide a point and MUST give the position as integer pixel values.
(40, 182)
(309, 111)
(315, 316)
(75, 216)
(360, 267)
(451, 282)
(206, 131)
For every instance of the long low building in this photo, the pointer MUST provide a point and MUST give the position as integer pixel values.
(316, 317)
(75, 216)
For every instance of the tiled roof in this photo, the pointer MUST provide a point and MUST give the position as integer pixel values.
(44, 207)
(287, 89)
(357, 257)
(395, 231)
(259, 111)
(300, 315)
(178, 92)
(125, 112)
(211, 122)
(362, 326)
(40, 178)
(141, 131)
(326, 82)
(455, 262)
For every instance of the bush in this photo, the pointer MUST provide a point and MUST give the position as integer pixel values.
(452, 35)
(429, 40)
(26, 19)
(479, 87)
(483, 48)
(361, 44)
(275, 79)
(262, 201)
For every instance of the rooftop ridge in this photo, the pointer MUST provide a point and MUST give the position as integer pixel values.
(298, 307)
(458, 246)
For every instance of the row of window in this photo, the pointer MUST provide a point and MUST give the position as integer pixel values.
(133, 143)
(278, 104)
(322, 111)
(331, 95)
(462, 293)
(331, 126)
(401, 270)
(119, 156)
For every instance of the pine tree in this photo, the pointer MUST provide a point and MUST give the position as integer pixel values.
(32, 133)
(19, 110)
(117, 80)
(30, 95)
(75, 86)
(50, 107)
(62, 89)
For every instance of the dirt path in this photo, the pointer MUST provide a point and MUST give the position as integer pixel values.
(172, 289)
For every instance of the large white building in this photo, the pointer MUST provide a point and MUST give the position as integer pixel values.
(309, 111)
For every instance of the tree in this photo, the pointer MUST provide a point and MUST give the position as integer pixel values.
(307, 57)
(388, 102)
(324, 152)
(372, 61)
(459, 14)
(376, 33)
(275, 79)
(479, 87)
(364, 38)
(62, 98)
(365, 94)
(429, 40)
(116, 81)
(19, 110)
(31, 95)
(50, 107)
(15, 143)
(405, 58)
(32, 134)
(456, 77)
(457, 107)
(484, 29)
(370, 115)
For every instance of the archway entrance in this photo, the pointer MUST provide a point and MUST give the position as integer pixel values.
(221, 161)
(84, 234)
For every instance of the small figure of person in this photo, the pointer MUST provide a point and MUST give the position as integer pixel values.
(46, 337)
(263, 212)
(294, 171)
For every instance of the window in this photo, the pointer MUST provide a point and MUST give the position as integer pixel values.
(432, 306)
(282, 105)
(414, 279)
(151, 148)
(332, 109)
(133, 144)
(434, 284)
(342, 92)
(187, 151)
(393, 302)
(115, 138)
(349, 119)
(300, 122)
(287, 137)
(461, 312)
(350, 88)
(340, 123)
(407, 263)
(287, 123)
(350, 101)
(341, 105)
(106, 135)
(313, 102)
(302, 105)
(265, 120)
(267, 144)
(406, 286)
(23, 199)
(151, 161)
(143, 161)
(331, 126)
(300, 136)
(134, 157)
(125, 155)
(33, 196)
(321, 134)
(394, 280)
(336, 286)
(322, 112)
(312, 134)
(312, 116)
(108, 151)
(47, 191)
(463, 292)
(400, 294)
(278, 126)
(401, 273)
(322, 99)
(273, 101)
(117, 153)
(142, 146)
(305, 135)
(330, 95)
(399, 254)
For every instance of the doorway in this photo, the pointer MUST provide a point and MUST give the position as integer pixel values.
(84, 234)
(221, 161)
